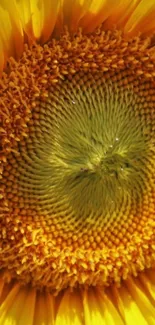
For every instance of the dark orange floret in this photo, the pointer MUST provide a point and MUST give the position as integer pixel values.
(35, 246)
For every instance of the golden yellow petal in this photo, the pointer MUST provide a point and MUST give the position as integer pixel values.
(121, 14)
(130, 16)
(6, 308)
(31, 15)
(11, 34)
(41, 315)
(131, 303)
(18, 307)
(98, 309)
(147, 279)
(110, 13)
(51, 11)
(98, 13)
(135, 289)
(142, 19)
(134, 301)
(131, 311)
(74, 11)
(70, 309)
(39, 19)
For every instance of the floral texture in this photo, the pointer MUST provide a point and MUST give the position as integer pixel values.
(77, 162)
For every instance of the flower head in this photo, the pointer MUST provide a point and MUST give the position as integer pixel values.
(77, 162)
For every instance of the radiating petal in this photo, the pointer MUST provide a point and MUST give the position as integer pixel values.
(27, 315)
(133, 302)
(121, 14)
(1, 286)
(112, 14)
(11, 307)
(6, 47)
(11, 35)
(50, 308)
(50, 11)
(38, 17)
(98, 309)
(147, 278)
(131, 311)
(131, 16)
(44, 309)
(74, 11)
(40, 316)
(70, 309)
(31, 15)
(143, 302)
(142, 19)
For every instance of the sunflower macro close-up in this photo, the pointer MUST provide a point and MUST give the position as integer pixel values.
(77, 162)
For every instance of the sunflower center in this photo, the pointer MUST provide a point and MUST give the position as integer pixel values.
(80, 185)
(87, 149)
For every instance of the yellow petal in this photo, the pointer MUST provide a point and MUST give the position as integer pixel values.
(70, 309)
(31, 17)
(98, 12)
(18, 307)
(132, 302)
(11, 35)
(74, 11)
(11, 308)
(50, 15)
(107, 12)
(98, 309)
(128, 306)
(143, 302)
(121, 14)
(6, 46)
(148, 281)
(38, 17)
(142, 19)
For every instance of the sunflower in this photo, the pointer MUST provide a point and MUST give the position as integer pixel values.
(77, 162)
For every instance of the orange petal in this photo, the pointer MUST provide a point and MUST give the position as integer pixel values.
(44, 309)
(121, 14)
(50, 15)
(74, 11)
(102, 10)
